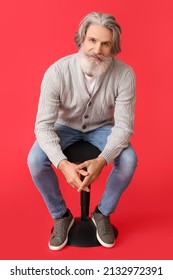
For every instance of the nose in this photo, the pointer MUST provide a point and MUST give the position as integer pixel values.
(97, 48)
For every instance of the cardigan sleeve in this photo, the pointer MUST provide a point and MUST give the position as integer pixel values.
(47, 115)
(123, 116)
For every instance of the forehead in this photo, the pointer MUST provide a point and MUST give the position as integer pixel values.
(99, 32)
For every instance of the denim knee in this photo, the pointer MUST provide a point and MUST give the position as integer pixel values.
(37, 160)
(127, 161)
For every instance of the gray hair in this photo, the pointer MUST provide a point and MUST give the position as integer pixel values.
(106, 20)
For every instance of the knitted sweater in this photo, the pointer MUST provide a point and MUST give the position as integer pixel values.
(64, 99)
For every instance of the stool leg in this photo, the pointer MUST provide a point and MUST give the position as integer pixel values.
(85, 203)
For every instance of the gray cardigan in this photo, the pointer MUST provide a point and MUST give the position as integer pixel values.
(64, 99)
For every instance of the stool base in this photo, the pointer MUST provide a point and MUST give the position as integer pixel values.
(83, 234)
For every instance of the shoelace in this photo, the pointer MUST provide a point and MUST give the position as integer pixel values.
(58, 228)
(106, 225)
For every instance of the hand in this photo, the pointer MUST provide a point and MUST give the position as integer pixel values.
(71, 174)
(94, 168)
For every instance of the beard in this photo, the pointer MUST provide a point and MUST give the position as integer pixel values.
(93, 67)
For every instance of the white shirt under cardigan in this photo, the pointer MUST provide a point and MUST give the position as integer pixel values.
(90, 83)
(65, 99)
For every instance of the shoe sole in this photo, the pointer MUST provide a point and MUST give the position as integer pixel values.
(100, 240)
(56, 248)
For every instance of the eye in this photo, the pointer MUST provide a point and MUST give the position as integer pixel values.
(106, 44)
(92, 40)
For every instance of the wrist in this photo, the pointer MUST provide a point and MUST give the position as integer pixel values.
(62, 164)
(102, 161)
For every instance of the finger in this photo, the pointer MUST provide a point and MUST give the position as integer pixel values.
(82, 172)
(85, 189)
(76, 183)
(86, 182)
(83, 165)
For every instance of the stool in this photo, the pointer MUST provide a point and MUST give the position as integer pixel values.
(83, 232)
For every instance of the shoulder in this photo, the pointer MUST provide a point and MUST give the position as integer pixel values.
(64, 61)
(61, 65)
(119, 65)
(122, 70)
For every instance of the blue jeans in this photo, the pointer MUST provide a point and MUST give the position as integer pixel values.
(46, 179)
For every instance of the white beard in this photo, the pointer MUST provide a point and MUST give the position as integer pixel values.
(95, 67)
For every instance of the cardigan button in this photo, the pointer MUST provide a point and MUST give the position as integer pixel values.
(86, 116)
(84, 126)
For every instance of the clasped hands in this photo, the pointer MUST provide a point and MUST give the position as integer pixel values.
(90, 170)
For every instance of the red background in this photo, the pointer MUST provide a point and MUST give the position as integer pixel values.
(33, 35)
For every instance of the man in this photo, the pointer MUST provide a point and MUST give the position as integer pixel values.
(89, 95)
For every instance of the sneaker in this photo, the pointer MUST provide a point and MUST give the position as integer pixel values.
(104, 231)
(59, 236)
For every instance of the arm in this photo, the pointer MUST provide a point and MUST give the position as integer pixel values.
(47, 114)
(123, 117)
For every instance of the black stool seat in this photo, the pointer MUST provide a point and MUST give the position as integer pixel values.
(83, 232)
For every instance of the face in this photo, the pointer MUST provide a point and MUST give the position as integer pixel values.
(95, 55)
(98, 42)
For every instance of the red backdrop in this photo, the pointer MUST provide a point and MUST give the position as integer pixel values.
(33, 35)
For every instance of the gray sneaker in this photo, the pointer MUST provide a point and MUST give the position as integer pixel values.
(59, 236)
(104, 231)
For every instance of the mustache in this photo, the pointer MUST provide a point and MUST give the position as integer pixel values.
(94, 67)
(99, 56)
